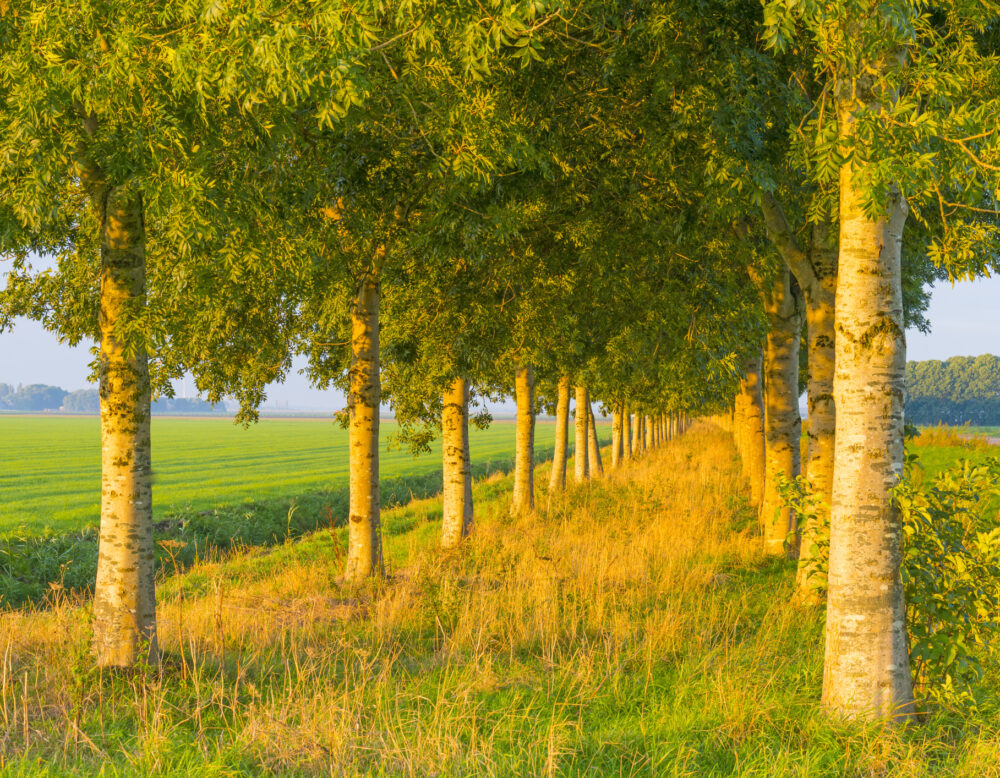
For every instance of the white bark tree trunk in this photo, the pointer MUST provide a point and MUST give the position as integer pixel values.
(617, 438)
(782, 423)
(124, 596)
(581, 455)
(557, 481)
(456, 502)
(867, 670)
(524, 441)
(751, 426)
(595, 465)
(815, 268)
(364, 398)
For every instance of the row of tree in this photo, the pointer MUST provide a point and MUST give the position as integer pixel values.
(438, 203)
(960, 390)
(42, 397)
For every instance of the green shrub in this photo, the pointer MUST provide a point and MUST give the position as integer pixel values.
(951, 571)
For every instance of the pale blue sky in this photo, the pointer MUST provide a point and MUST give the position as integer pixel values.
(965, 320)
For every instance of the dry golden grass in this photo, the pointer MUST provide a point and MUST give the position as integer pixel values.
(631, 627)
(943, 435)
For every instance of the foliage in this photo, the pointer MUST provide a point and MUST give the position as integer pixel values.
(959, 390)
(34, 397)
(798, 495)
(951, 571)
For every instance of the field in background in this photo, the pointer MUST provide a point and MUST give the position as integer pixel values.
(51, 465)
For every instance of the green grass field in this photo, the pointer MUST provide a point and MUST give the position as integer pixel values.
(51, 473)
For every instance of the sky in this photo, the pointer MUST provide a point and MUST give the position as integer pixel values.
(965, 320)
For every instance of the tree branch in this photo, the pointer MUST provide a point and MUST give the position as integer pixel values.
(783, 238)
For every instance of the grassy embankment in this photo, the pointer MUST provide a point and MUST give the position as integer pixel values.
(218, 486)
(939, 447)
(632, 628)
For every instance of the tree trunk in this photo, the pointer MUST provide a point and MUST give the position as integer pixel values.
(782, 423)
(627, 440)
(752, 427)
(810, 580)
(457, 468)
(815, 269)
(124, 595)
(740, 430)
(617, 428)
(581, 465)
(557, 481)
(524, 441)
(650, 436)
(594, 447)
(364, 398)
(867, 670)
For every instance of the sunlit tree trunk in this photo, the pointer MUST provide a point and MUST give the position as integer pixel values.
(524, 441)
(752, 426)
(596, 466)
(782, 423)
(364, 552)
(635, 434)
(617, 437)
(457, 468)
(557, 481)
(867, 668)
(124, 596)
(626, 433)
(739, 425)
(581, 456)
(648, 431)
(815, 268)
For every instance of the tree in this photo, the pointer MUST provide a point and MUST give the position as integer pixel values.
(874, 140)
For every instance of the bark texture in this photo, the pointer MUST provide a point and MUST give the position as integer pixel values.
(867, 671)
(750, 406)
(782, 423)
(815, 269)
(364, 552)
(617, 438)
(124, 596)
(557, 481)
(524, 441)
(456, 494)
(595, 464)
(581, 456)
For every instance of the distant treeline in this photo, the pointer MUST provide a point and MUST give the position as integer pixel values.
(41, 397)
(959, 390)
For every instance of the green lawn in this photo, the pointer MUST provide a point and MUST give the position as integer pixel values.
(50, 471)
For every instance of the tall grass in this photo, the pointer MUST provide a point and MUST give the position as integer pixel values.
(631, 627)
(945, 436)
